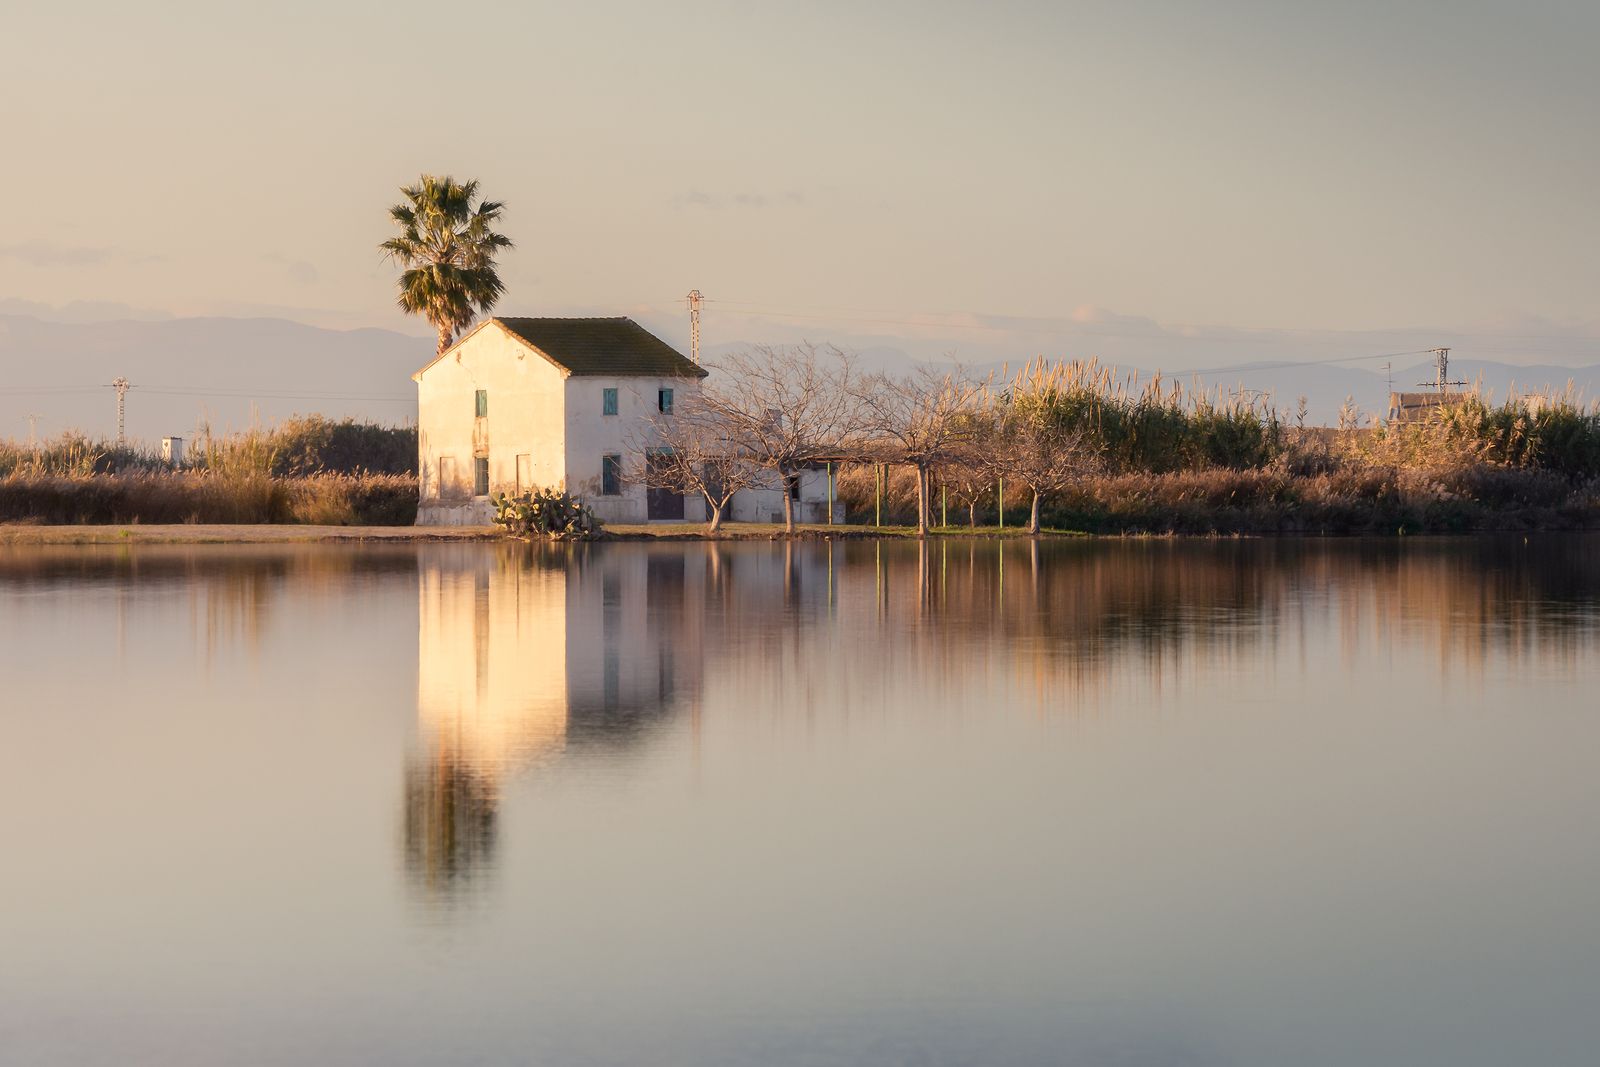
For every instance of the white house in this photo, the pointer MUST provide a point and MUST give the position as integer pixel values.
(524, 403)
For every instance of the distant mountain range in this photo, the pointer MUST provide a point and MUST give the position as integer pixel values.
(236, 372)
(229, 372)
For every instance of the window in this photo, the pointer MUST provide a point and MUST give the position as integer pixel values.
(610, 475)
(794, 486)
(608, 401)
(664, 401)
(481, 402)
(480, 476)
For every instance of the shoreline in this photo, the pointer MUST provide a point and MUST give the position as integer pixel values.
(235, 534)
(286, 533)
(283, 533)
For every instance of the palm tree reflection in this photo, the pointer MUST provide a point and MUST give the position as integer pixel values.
(533, 656)
(527, 656)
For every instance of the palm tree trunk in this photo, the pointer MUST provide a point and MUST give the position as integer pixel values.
(446, 336)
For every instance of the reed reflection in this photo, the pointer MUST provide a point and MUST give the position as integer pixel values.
(528, 656)
(1068, 613)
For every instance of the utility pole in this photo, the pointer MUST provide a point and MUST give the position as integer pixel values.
(694, 325)
(1388, 373)
(121, 385)
(33, 418)
(1441, 364)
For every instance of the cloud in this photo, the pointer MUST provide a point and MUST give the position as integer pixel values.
(298, 270)
(746, 199)
(50, 254)
(81, 311)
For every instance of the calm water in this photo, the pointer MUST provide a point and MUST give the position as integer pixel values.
(1124, 803)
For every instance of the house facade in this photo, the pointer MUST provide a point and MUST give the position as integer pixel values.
(525, 403)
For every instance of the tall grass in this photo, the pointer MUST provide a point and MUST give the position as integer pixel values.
(1181, 461)
(162, 497)
(1158, 425)
(1556, 433)
(299, 446)
(305, 470)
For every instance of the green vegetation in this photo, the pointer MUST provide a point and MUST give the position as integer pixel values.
(549, 513)
(1157, 427)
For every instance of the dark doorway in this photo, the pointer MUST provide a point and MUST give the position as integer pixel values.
(660, 503)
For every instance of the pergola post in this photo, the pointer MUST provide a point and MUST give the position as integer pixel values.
(877, 490)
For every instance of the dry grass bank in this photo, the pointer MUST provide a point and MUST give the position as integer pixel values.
(208, 497)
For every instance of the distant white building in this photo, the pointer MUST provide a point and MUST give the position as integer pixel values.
(524, 403)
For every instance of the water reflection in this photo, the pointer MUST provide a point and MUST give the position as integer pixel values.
(526, 655)
(1144, 801)
(532, 655)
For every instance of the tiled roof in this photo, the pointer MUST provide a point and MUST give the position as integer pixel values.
(603, 347)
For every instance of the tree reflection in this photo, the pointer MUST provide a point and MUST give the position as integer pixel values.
(532, 659)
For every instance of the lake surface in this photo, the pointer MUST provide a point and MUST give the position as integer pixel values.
(1132, 803)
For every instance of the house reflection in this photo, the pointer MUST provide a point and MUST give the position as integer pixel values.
(528, 656)
(545, 656)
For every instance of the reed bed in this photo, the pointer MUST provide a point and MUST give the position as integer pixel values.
(297, 447)
(1173, 460)
(305, 470)
(161, 497)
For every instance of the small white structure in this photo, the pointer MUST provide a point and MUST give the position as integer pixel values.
(524, 403)
(172, 451)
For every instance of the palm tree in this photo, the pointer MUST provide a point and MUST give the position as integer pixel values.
(447, 247)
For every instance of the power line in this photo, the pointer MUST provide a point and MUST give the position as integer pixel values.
(47, 390)
(1306, 362)
(121, 385)
(885, 322)
(247, 394)
(695, 299)
(1441, 371)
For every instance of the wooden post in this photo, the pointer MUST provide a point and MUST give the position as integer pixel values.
(830, 492)
(1000, 503)
(877, 489)
(944, 505)
(830, 575)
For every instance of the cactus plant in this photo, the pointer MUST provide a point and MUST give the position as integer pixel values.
(546, 513)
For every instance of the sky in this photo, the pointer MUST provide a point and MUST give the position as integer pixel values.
(996, 178)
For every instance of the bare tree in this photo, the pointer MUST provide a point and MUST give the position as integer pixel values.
(922, 420)
(969, 477)
(695, 450)
(1034, 440)
(789, 407)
